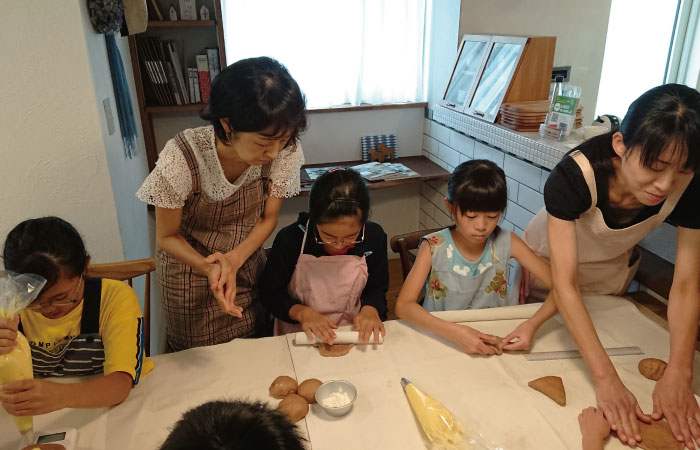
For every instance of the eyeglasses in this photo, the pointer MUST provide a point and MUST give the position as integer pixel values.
(39, 304)
(341, 241)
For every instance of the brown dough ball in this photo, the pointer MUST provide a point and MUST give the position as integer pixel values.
(307, 389)
(658, 436)
(283, 386)
(652, 368)
(294, 407)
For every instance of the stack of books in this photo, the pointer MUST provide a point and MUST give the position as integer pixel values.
(376, 171)
(169, 83)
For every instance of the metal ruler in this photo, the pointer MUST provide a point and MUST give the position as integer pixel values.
(572, 354)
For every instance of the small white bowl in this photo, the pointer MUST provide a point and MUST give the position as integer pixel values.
(330, 387)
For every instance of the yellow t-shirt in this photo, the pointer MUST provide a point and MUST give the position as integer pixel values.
(118, 328)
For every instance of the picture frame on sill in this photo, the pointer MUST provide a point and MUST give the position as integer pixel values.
(188, 10)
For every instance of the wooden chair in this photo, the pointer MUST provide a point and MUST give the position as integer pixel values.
(126, 271)
(403, 243)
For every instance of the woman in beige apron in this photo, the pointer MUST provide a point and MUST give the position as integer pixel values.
(625, 184)
(330, 268)
(218, 191)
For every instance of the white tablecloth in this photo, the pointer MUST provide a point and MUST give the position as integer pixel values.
(489, 394)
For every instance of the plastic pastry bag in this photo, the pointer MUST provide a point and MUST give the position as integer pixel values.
(443, 430)
(16, 292)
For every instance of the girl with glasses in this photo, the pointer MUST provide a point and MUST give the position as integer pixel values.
(330, 267)
(77, 326)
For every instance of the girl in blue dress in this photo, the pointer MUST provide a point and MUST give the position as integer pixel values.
(465, 266)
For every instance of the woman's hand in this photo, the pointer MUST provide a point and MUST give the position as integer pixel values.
(32, 397)
(473, 341)
(219, 274)
(368, 323)
(621, 409)
(316, 324)
(674, 399)
(524, 332)
(8, 334)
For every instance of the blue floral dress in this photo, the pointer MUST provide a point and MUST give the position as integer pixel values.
(456, 283)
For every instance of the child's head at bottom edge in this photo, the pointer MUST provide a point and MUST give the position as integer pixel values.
(233, 425)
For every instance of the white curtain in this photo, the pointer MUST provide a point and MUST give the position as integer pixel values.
(339, 51)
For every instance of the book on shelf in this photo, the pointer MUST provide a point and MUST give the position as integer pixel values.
(204, 77)
(197, 92)
(155, 71)
(376, 171)
(309, 174)
(177, 68)
(190, 83)
(214, 65)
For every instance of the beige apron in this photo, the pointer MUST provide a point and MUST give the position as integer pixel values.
(607, 261)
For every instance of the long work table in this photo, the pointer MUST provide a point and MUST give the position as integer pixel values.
(487, 394)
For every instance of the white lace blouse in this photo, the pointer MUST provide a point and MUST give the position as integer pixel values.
(170, 183)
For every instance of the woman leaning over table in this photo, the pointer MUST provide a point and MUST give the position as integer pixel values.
(603, 199)
(218, 190)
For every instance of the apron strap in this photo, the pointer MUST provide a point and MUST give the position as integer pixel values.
(303, 242)
(191, 159)
(92, 298)
(588, 175)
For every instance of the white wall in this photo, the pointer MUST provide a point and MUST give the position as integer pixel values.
(580, 28)
(54, 160)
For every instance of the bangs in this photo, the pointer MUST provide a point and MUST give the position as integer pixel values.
(677, 148)
(483, 191)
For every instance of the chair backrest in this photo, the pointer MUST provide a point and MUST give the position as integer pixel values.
(402, 243)
(126, 271)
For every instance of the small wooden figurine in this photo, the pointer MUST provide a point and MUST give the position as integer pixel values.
(203, 13)
(381, 154)
(172, 12)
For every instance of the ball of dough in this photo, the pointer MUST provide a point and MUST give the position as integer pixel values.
(294, 407)
(283, 386)
(307, 389)
(652, 368)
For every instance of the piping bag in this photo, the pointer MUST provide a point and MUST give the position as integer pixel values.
(442, 429)
(16, 292)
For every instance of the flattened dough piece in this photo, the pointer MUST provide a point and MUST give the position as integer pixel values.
(552, 387)
(498, 344)
(334, 350)
(294, 407)
(658, 436)
(283, 386)
(652, 368)
(307, 389)
(45, 447)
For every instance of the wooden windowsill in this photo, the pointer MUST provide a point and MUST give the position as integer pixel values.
(427, 171)
(368, 107)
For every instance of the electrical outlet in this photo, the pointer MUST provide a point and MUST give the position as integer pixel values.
(109, 116)
(564, 72)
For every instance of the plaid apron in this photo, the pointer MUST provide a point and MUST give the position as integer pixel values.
(193, 317)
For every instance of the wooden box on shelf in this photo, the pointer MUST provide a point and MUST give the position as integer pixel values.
(167, 97)
(490, 70)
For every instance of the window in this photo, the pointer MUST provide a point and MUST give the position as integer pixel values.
(638, 48)
(339, 51)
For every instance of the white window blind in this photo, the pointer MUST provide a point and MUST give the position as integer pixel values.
(339, 51)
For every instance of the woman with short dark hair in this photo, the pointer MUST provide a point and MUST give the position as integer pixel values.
(218, 190)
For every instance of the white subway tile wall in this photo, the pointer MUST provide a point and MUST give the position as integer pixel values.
(512, 189)
(449, 155)
(462, 143)
(440, 132)
(483, 151)
(523, 172)
(530, 199)
(518, 215)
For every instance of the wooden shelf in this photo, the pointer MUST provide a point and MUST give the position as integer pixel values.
(426, 169)
(174, 108)
(181, 23)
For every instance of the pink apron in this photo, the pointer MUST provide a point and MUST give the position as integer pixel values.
(331, 285)
(606, 258)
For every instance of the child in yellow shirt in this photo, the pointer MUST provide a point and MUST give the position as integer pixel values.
(76, 326)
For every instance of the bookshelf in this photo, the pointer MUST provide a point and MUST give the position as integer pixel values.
(191, 37)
